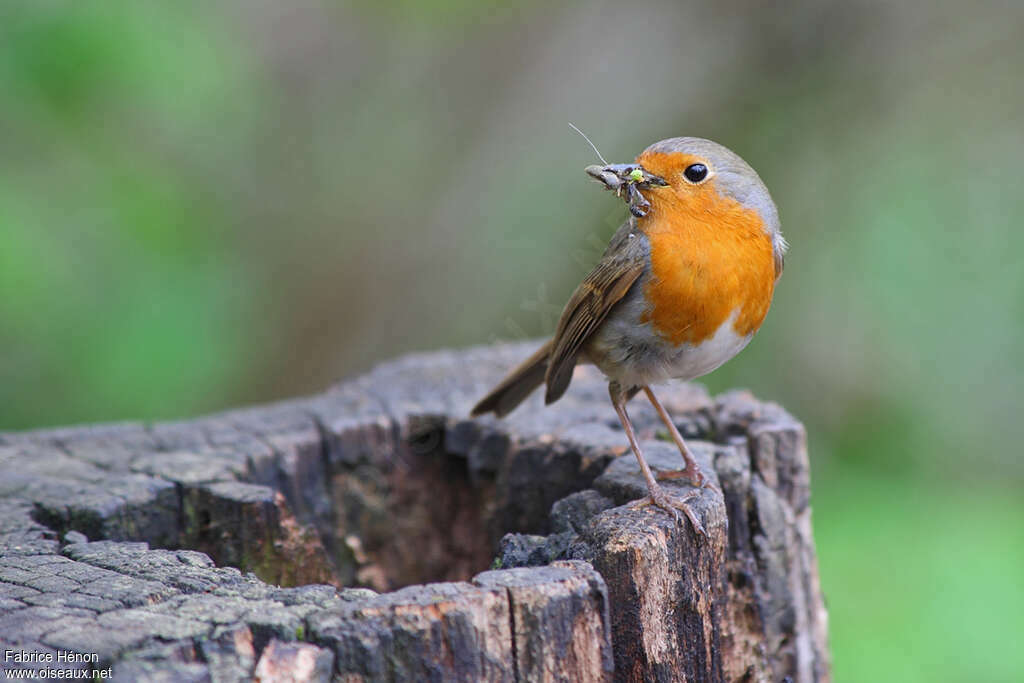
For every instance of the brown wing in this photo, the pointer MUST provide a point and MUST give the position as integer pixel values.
(622, 264)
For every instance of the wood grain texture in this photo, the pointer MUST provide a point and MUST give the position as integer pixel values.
(114, 539)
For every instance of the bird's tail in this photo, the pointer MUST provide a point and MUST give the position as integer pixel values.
(519, 383)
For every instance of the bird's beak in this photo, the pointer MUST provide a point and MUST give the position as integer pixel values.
(615, 176)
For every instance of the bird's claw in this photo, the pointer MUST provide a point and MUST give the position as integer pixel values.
(695, 477)
(661, 499)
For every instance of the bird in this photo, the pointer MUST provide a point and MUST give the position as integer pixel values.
(682, 287)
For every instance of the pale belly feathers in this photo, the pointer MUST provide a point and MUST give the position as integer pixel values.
(632, 353)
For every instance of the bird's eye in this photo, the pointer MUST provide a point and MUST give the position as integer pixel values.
(696, 172)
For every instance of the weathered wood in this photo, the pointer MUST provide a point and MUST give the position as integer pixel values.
(383, 482)
(284, 662)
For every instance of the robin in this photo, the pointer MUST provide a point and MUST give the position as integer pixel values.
(682, 287)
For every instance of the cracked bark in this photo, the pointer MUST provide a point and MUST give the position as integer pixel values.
(114, 539)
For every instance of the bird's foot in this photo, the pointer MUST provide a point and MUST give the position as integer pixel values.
(689, 474)
(672, 505)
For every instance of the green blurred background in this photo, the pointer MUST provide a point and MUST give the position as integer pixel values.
(210, 203)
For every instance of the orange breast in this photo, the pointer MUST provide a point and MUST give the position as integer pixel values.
(710, 257)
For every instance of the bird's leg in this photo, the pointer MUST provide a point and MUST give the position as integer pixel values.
(657, 494)
(691, 472)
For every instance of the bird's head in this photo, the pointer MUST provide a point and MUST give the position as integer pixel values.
(692, 176)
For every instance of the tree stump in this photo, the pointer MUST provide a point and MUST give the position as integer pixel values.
(375, 532)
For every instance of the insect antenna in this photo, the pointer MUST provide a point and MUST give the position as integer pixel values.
(592, 145)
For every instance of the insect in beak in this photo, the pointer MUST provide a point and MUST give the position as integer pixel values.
(628, 180)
